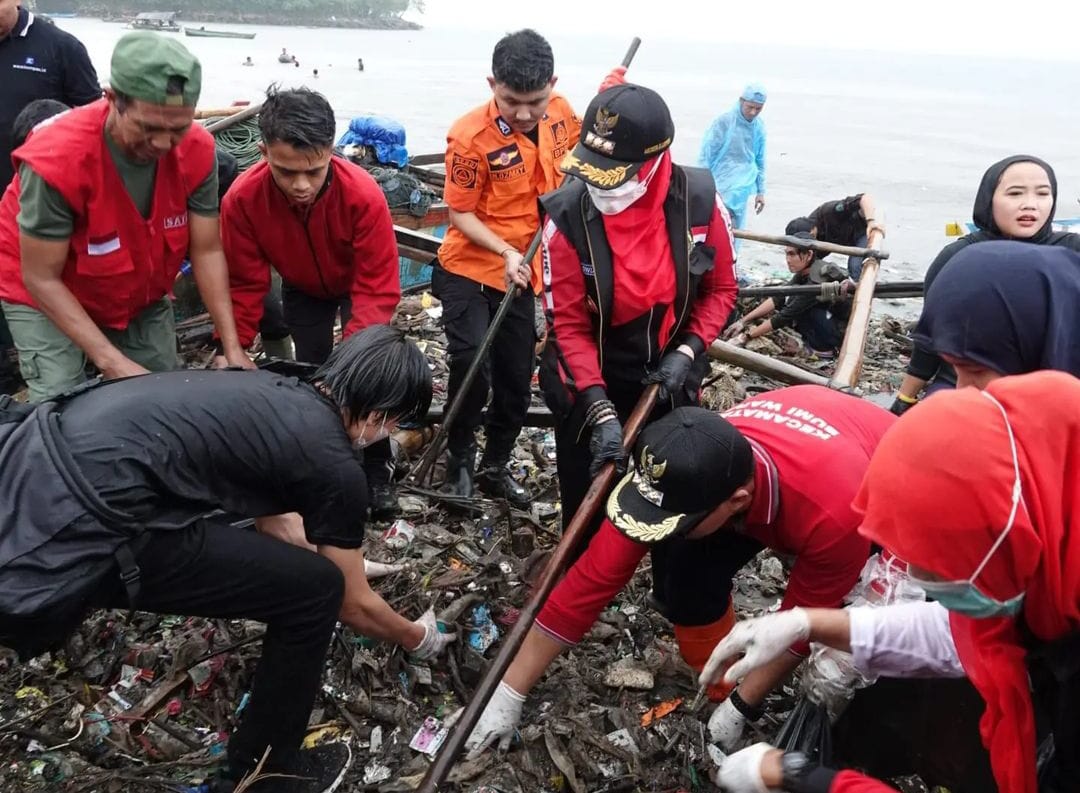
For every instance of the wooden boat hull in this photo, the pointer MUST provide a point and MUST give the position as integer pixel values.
(216, 34)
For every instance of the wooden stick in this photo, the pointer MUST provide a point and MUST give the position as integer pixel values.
(423, 468)
(764, 365)
(849, 364)
(813, 245)
(597, 493)
(235, 118)
(216, 112)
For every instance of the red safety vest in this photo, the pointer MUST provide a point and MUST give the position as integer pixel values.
(118, 262)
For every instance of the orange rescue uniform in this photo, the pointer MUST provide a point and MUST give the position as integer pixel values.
(498, 174)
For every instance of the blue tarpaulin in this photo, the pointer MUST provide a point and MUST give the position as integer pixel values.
(385, 135)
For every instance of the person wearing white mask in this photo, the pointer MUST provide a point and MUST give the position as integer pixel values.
(125, 513)
(638, 271)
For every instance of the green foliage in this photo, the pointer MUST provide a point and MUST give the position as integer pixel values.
(288, 9)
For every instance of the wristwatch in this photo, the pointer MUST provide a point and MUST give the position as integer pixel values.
(802, 776)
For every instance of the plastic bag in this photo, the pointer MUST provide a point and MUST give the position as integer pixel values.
(807, 730)
(385, 135)
(830, 678)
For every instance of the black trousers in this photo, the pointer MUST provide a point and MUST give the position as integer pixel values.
(216, 571)
(468, 307)
(691, 578)
(310, 322)
(272, 325)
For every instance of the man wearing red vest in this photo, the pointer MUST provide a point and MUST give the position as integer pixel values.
(324, 225)
(111, 198)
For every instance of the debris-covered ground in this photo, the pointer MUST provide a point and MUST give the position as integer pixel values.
(141, 702)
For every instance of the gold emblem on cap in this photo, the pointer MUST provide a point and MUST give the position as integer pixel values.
(639, 530)
(605, 122)
(649, 467)
(601, 177)
(659, 146)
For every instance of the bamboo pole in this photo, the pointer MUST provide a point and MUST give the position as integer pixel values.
(560, 557)
(217, 112)
(814, 245)
(849, 364)
(780, 371)
(234, 119)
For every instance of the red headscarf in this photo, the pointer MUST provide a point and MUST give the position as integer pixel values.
(641, 252)
(938, 493)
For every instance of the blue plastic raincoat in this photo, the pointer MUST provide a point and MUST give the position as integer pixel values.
(734, 150)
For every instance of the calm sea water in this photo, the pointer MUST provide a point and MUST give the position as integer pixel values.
(917, 131)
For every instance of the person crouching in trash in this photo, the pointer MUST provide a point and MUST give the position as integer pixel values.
(104, 498)
(708, 493)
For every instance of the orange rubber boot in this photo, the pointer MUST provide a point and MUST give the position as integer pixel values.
(696, 643)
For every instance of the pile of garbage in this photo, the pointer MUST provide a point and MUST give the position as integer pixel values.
(136, 701)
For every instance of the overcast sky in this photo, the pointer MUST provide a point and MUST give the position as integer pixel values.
(1035, 29)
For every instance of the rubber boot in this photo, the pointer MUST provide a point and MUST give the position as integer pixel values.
(495, 481)
(278, 348)
(459, 472)
(696, 643)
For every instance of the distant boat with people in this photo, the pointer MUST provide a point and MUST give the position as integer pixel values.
(216, 34)
(160, 21)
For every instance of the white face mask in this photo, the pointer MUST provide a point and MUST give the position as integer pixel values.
(617, 199)
(363, 442)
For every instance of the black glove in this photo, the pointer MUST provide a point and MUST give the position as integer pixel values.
(605, 444)
(605, 436)
(901, 406)
(671, 373)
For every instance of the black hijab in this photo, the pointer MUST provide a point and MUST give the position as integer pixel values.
(1008, 306)
(983, 213)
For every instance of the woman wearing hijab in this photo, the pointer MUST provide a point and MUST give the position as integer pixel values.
(1000, 562)
(1004, 308)
(1016, 201)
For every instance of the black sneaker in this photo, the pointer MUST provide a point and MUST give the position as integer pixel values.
(320, 769)
(384, 503)
(495, 481)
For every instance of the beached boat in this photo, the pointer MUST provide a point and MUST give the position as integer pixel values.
(160, 21)
(216, 34)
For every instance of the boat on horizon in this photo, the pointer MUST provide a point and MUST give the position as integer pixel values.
(202, 32)
(159, 21)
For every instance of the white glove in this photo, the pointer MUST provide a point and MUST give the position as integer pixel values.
(759, 641)
(741, 772)
(726, 725)
(434, 642)
(374, 570)
(498, 721)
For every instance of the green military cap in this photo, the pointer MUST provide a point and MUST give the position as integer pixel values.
(156, 69)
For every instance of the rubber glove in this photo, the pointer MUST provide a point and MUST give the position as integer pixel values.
(498, 722)
(434, 641)
(741, 772)
(758, 641)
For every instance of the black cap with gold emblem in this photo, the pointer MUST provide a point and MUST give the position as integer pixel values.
(685, 465)
(623, 128)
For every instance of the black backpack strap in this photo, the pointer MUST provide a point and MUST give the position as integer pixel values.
(130, 575)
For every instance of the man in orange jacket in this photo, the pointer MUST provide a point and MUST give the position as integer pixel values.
(111, 197)
(324, 225)
(500, 158)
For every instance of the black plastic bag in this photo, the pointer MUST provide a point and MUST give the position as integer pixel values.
(807, 730)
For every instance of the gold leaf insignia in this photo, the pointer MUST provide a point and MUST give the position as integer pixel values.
(601, 177)
(639, 530)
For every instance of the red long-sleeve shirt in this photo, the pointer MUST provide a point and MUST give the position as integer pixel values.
(343, 244)
(811, 449)
(570, 312)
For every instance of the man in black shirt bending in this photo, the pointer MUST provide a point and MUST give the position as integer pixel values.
(847, 221)
(138, 463)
